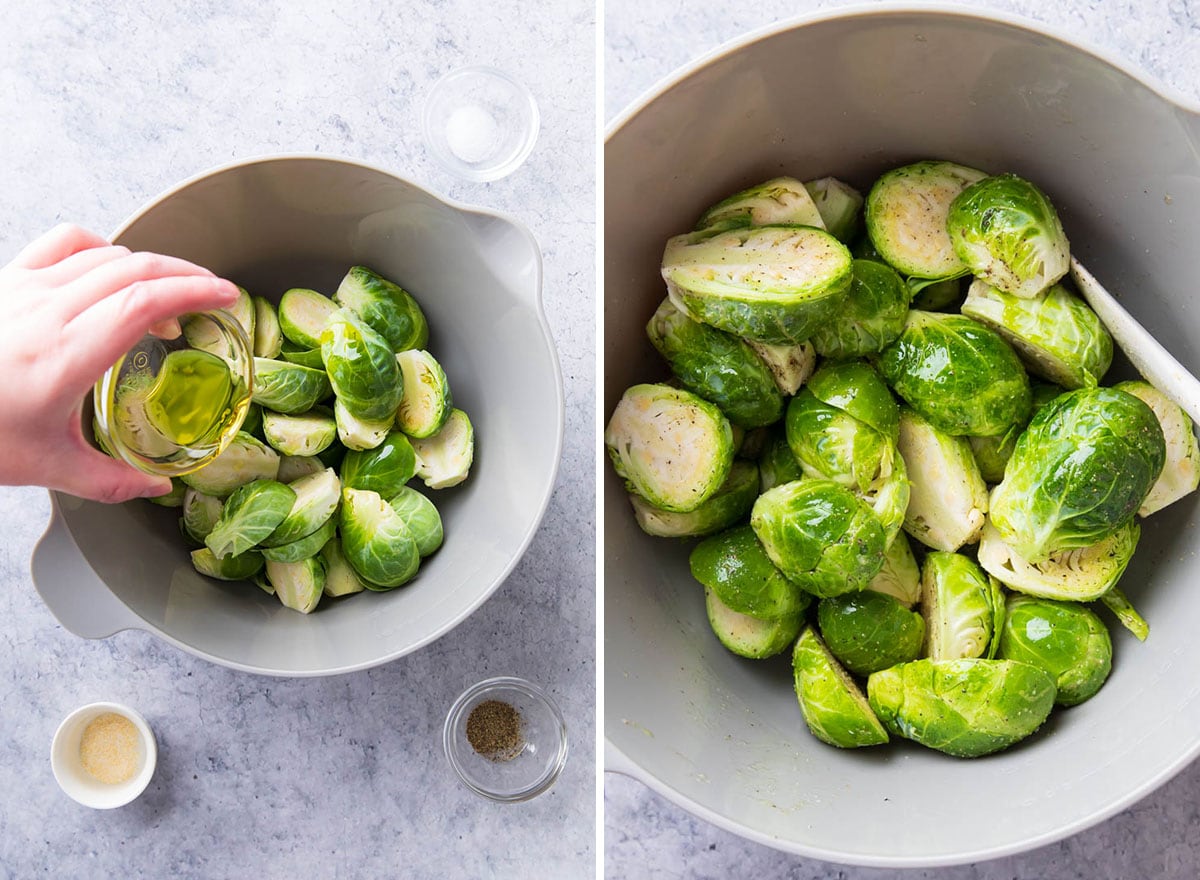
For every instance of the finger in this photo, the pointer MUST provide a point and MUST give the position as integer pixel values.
(56, 245)
(117, 275)
(67, 270)
(96, 338)
(168, 329)
(93, 475)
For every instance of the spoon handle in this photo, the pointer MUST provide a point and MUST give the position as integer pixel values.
(1154, 362)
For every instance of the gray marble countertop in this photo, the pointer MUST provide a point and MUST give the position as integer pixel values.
(647, 836)
(106, 105)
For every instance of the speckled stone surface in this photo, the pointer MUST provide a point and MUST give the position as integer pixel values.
(647, 836)
(104, 106)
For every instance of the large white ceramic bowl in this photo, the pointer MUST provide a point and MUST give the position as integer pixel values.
(851, 94)
(302, 221)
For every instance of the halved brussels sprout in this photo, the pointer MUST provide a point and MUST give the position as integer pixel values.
(900, 577)
(1080, 471)
(444, 460)
(1005, 229)
(675, 449)
(377, 541)
(244, 459)
(872, 317)
(833, 706)
(961, 376)
(720, 367)
(777, 202)
(426, 402)
(776, 284)
(869, 631)
(316, 501)
(790, 365)
(948, 499)
(268, 338)
(298, 585)
(388, 308)
(359, 434)
(422, 518)
(820, 536)
(777, 465)
(839, 204)
(340, 577)
(1118, 603)
(302, 548)
(748, 636)
(362, 367)
(383, 469)
(1081, 574)
(251, 513)
(965, 708)
(303, 315)
(1181, 469)
(1056, 335)
(200, 514)
(293, 467)
(906, 214)
(230, 568)
(174, 498)
(856, 388)
(243, 310)
(288, 388)
(963, 608)
(735, 567)
(305, 434)
(1064, 638)
(833, 445)
(726, 506)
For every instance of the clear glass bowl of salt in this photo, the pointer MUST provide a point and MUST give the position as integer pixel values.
(480, 123)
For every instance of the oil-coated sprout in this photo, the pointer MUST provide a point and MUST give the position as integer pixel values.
(735, 567)
(426, 402)
(935, 296)
(963, 608)
(1064, 638)
(777, 464)
(948, 499)
(873, 316)
(900, 576)
(840, 206)
(779, 202)
(869, 631)
(385, 306)
(730, 504)
(1181, 470)
(790, 365)
(856, 388)
(834, 707)
(250, 514)
(751, 637)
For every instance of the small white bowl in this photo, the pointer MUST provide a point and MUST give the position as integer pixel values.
(68, 766)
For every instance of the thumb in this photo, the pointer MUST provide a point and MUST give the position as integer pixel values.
(97, 477)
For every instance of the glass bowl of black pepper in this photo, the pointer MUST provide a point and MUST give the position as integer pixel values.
(506, 739)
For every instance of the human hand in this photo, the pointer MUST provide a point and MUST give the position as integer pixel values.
(73, 304)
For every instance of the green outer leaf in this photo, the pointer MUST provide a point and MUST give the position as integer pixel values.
(422, 518)
(749, 636)
(873, 315)
(245, 459)
(317, 499)
(231, 568)
(736, 568)
(389, 309)
(383, 469)
(303, 314)
(727, 506)
(426, 402)
(869, 631)
(1118, 603)
(249, 515)
(288, 388)
(302, 548)
(856, 388)
(830, 444)
(362, 368)
(833, 706)
(1064, 638)
(376, 540)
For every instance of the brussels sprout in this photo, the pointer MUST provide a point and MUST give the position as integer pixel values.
(243, 460)
(305, 434)
(748, 636)
(833, 706)
(340, 577)
(963, 608)
(790, 365)
(948, 499)
(230, 568)
(856, 388)
(1042, 393)
(376, 540)
(872, 317)
(965, 708)
(303, 315)
(293, 467)
(426, 402)
(298, 585)
(1079, 574)
(362, 367)
(1181, 469)
(302, 548)
(1055, 334)
(317, 497)
(310, 358)
(1005, 229)
(383, 469)
(251, 513)
(200, 514)
(961, 376)
(717, 366)
(422, 518)
(1064, 638)
(1078, 473)
(287, 388)
(832, 444)
(776, 284)
(359, 434)
(386, 307)
(252, 423)
(736, 568)
(869, 631)
(728, 505)
(935, 296)
(992, 454)
(820, 536)
(1118, 603)
(672, 447)
(778, 464)
(778, 202)
(243, 310)
(906, 213)
(268, 338)
(174, 498)
(900, 577)
(444, 460)
(840, 206)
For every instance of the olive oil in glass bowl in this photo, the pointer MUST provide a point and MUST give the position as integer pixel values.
(170, 406)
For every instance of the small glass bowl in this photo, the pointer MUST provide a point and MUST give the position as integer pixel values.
(541, 757)
(216, 332)
(480, 123)
(67, 764)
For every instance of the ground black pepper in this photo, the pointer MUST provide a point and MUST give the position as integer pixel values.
(494, 730)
